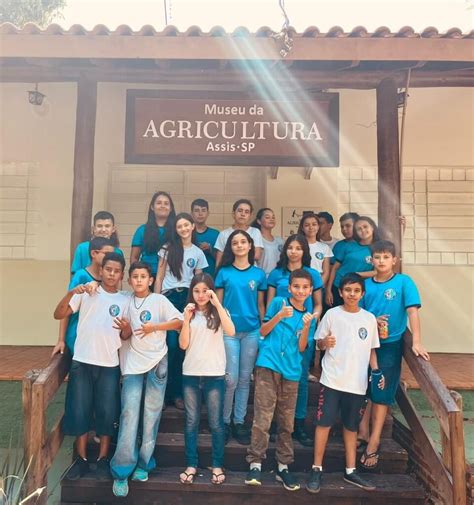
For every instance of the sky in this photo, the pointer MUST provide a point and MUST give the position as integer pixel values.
(443, 14)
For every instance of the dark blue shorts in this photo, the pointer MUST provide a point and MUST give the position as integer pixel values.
(389, 358)
(92, 399)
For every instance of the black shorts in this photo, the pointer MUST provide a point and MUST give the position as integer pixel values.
(332, 403)
(92, 399)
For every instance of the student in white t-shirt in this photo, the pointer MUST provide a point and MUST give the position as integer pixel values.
(180, 260)
(202, 337)
(93, 390)
(144, 366)
(320, 253)
(241, 212)
(272, 246)
(349, 336)
(326, 222)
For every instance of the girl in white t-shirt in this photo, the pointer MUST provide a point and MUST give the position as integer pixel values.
(320, 253)
(202, 337)
(180, 259)
(272, 246)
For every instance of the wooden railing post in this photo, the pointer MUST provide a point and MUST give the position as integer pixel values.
(458, 456)
(30, 446)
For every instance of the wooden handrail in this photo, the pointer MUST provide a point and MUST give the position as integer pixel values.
(40, 448)
(450, 469)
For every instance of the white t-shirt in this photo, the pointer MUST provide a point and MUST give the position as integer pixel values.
(330, 243)
(193, 259)
(140, 354)
(205, 354)
(271, 254)
(97, 340)
(345, 366)
(225, 234)
(318, 252)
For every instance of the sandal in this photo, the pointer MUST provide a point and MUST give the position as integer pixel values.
(188, 477)
(365, 456)
(361, 443)
(218, 478)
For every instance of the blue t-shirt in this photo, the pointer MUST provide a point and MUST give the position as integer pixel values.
(82, 276)
(354, 257)
(210, 236)
(279, 350)
(147, 256)
(81, 257)
(241, 289)
(392, 297)
(280, 280)
(338, 249)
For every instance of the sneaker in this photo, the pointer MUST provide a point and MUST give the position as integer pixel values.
(78, 469)
(241, 434)
(140, 475)
(120, 488)
(300, 434)
(287, 479)
(227, 433)
(102, 471)
(313, 484)
(355, 479)
(254, 477)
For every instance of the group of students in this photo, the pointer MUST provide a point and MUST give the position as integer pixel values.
(208, 311)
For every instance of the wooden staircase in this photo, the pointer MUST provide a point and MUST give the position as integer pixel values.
(394, 486)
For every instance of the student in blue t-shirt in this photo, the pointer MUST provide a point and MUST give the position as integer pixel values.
(240, 286)
(103, 225)
(394, 300)
(150, 237)
(355, 257)
(346, 223)
(98, 247)
(285, 331)
(205, 237)
(295, 255)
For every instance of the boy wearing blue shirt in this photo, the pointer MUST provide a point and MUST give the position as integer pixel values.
(278, 369)
(98, 247)
(394, 300)
(205, 237)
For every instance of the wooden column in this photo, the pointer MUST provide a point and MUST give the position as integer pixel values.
(389, 208)
(83, 186)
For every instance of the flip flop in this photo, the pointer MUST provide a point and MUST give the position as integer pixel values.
(365, 456)
(189, 479)
(215, 478)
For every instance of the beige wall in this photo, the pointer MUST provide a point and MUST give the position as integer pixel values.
(36, 187)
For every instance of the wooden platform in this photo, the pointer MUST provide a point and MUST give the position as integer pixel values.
(456, 370)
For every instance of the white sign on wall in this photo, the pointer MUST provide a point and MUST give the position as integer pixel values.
(291, 216)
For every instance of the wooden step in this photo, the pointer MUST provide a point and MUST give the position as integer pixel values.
(172, 421)
(163, 488)
(170, 452)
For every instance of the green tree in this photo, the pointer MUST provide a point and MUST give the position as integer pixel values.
(20, 12)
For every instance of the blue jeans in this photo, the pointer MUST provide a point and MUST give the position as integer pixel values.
(213, 390)
(175, 354)
(241, 354)
(302, 401)
(152, 386)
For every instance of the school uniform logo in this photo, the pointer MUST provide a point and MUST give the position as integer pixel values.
(368, 260)
(363, 333)
(145, 316)
(319, 255)
(252, 285)
(390, 294)
(114, 310)
(191, 262)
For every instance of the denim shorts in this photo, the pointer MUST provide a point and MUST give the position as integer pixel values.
(92, 399)
(389, 359)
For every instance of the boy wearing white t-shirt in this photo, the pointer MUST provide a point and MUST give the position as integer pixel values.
(349, 336)
(93, 391)
(144, 366)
